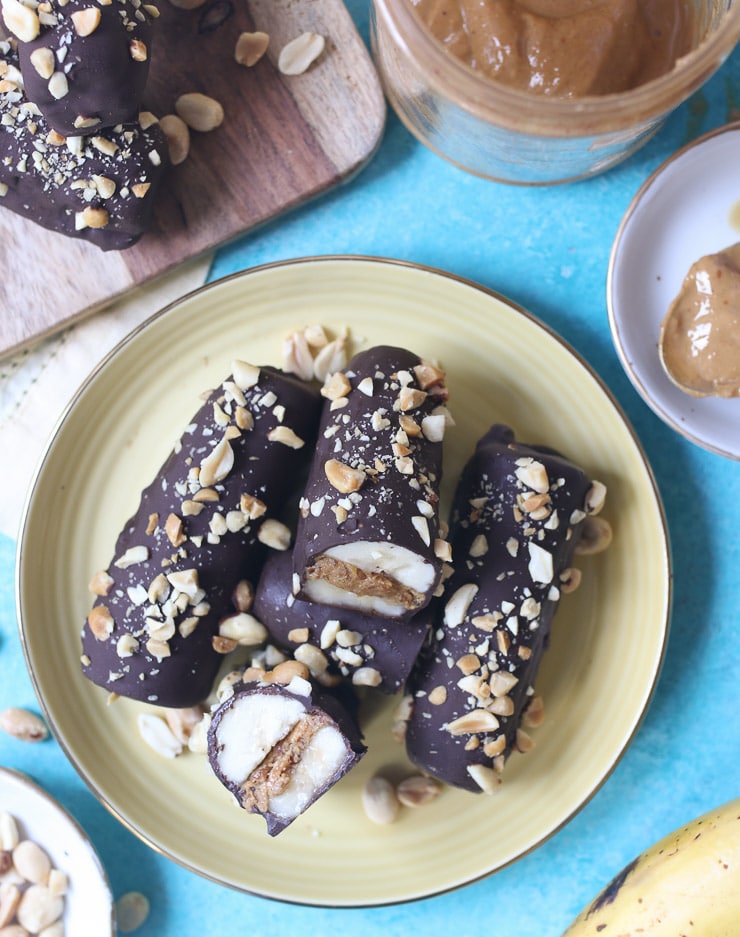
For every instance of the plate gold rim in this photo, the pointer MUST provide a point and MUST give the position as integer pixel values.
(665, 563)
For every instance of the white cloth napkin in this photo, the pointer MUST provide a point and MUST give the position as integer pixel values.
(37, 384)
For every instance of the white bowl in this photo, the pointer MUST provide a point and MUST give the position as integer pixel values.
(689, 207)
(88, 903)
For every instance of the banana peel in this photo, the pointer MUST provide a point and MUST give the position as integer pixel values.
(685, 885)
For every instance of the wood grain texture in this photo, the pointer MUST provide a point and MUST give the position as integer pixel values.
(284, 140)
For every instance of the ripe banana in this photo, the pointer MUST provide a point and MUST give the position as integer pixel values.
(686, 884)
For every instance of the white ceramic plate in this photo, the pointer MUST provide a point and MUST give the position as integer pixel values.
(688, 208)
(88, 904)
(502, 365)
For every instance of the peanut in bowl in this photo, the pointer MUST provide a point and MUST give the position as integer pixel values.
(51, 878)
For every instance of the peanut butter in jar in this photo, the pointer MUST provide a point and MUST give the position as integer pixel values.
(564, 48)
(700, 335)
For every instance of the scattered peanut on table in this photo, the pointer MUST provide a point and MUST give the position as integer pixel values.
(250, 47)
(132, 909)
(23, 724)
(297, 55)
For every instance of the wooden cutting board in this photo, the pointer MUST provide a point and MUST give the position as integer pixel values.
(284, 140)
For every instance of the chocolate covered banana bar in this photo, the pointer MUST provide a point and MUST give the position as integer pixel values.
(100, 188)
(517, 516)
(280, 742)
(368, 533)
(366, 649)
(84, 63)
(178, 592)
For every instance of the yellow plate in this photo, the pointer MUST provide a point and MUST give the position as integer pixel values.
(502, 365)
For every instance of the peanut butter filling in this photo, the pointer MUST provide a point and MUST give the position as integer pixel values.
(274, 774)
(350, 578)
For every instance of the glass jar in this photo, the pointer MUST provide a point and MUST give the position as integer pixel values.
(510, 135)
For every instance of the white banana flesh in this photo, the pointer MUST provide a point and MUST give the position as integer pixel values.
(686, 884)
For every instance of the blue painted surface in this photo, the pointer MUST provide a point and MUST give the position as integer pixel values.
(546, 249)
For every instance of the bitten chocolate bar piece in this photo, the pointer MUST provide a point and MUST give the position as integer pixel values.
(179, 589)
(368, 650)
(516, 520)
(278, 748)
(85, 63)
(368, 534)
(101, 188)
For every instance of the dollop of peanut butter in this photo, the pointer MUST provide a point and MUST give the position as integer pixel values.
(564, 48)
(700, 334)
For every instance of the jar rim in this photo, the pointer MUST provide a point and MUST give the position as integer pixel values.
(498, 103)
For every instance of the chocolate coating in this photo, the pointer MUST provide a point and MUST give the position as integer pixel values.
(153, 635)
(101, 73)
(515, 523)
(280, 759)
(101, 189)
(392, 495)
(380, 649)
